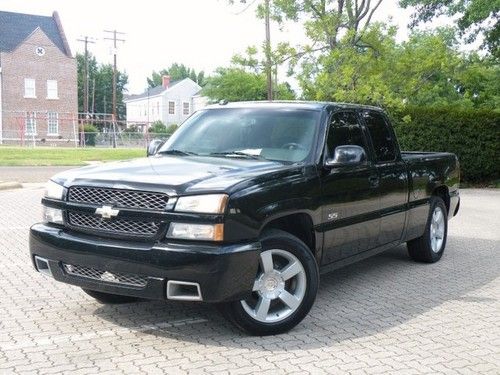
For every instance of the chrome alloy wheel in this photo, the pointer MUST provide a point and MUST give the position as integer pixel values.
(279, 288)
(437, 230)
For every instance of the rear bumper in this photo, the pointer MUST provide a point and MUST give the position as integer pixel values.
(223, 272)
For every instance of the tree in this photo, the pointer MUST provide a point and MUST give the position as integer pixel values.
(327, 20)
(329, 25)
(92, 66)
(102, 94)
(104, 90)
(237, 84)
(387, 75)
(158, 127)
(176, 72)
(474, 17)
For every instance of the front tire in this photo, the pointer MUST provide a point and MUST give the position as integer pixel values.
(430, 246)
(109, 299)
(284, 290)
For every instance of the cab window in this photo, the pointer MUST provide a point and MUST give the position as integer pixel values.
(344, 130)
(383, 143)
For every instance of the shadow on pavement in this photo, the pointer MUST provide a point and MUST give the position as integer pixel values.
(363, 299)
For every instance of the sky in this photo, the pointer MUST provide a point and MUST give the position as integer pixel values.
(202, 34)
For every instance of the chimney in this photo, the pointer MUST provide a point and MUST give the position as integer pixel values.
(165, 81)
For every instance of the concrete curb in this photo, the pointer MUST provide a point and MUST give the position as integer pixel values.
(7, 185)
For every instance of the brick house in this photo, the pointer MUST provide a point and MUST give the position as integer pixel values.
(38, 81)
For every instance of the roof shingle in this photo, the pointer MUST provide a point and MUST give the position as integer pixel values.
(157, 90)
(16, 27)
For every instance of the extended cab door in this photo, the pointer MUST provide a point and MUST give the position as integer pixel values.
(350, 201)
(392, 173)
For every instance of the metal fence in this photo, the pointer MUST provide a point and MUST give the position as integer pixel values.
(119, 139)
(52, 129)
(83, 139)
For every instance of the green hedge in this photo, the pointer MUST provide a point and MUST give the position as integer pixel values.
(90, 133)
(471, 134)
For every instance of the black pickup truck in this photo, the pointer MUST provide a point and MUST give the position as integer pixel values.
(244, 206)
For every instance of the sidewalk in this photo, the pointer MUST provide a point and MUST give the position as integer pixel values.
(29, 174)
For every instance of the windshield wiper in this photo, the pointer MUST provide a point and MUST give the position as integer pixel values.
(177, 152)
(237, 153)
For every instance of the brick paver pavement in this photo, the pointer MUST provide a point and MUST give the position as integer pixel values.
(384, 315)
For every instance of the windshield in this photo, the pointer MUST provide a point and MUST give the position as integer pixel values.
(275, 134)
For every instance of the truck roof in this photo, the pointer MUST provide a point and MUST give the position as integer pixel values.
(311, 105)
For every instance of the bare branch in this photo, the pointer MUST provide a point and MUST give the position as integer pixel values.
(363, 12)
(368, 20)
(300, 54)
(367, 23)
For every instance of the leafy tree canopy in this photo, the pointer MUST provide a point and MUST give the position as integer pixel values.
(237, 84)
(474, 17)
(158, 127)
(100, 79)
(176, 72)
(426, 70)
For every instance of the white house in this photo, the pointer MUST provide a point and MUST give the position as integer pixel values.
(172, 102)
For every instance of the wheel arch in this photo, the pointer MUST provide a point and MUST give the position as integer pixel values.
(298, 224)
(443, 192)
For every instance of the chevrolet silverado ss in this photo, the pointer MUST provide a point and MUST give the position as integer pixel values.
(245, 205)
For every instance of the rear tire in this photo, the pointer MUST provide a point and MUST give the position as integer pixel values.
(284, 290)
(109, 299)
(430, 246)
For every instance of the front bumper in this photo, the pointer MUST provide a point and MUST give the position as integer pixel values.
(224, 272)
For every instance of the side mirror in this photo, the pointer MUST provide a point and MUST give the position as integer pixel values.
(154, 146)
(346, 155)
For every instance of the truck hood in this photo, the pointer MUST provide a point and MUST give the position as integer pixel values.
(174, 175)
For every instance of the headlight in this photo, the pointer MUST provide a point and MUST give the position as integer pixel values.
(52, 215)
(206, 232)
(207, 204)
(53, 190)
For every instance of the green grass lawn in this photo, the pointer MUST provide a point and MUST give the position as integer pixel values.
(13, 156)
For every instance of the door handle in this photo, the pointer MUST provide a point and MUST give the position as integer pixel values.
(374, 181)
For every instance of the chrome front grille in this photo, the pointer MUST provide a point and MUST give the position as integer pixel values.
(125, 279)
(114, 226)
(118, 197)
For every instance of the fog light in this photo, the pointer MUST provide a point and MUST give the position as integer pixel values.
(207, 232)
(52, 215)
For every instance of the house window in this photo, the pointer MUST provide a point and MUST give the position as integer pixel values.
(52, 123)
(52, 89)
(30, 123)
(29, 88)
(185, 108)
(171, 108)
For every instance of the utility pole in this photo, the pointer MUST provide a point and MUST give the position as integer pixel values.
(86, 40)
(114, 39)
(267, 47)
(268, 53)
(93, 96)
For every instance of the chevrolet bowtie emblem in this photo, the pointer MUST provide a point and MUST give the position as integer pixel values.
(107, 212)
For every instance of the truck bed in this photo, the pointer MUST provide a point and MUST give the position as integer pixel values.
(412, 156)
